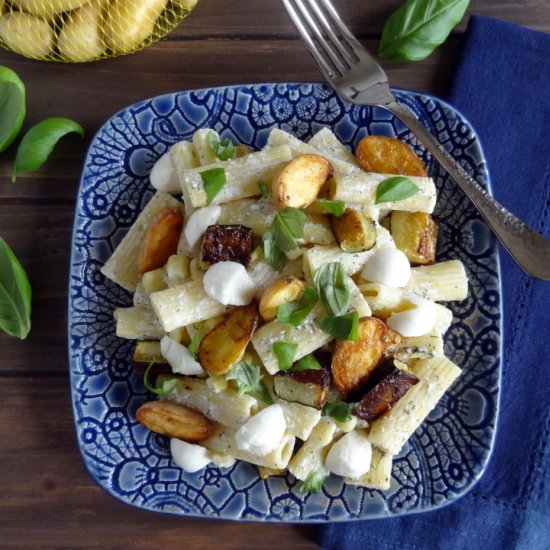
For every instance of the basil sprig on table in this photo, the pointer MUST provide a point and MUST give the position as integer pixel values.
(12, 107)
(213, 181)
(223, 149)
(15, 294)
(249, 380)
(295, 312)
(331, 283)
(280, 237)
(39, 141)
(418, 27)
(395, 189)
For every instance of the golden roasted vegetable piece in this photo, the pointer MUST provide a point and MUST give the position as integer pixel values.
(354, 362)
(387, 385)
(161, 239)
(308, 387)
(387, 155)
(354, 230)
(174, 420)
(226, 243)
(225, 344)
(277, 293)
(415, 234)
(299, 181)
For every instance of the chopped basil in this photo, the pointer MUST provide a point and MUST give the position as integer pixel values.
(286, 227)
(285, 354)
(395, 189)
(193, 347)
(213, 181)
(224, 150)
(264, 190)
(343, 327)
(249, 380)
(37, 144)
(15, 294)
(336, 207)
(164, 384)
(332, 285)
(306, 363)
(294, 313)
(313, 483)
(338, 410)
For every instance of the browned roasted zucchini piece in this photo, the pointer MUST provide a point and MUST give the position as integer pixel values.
(174, 420)
(387, 385)
(226, 343)
(354, 230)
(308, 387)
(415, 234)
(226, 243)
(353, 362)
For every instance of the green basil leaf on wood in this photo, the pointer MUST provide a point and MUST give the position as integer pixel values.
(15, 294)
(418, 27)
(12, 107)
(39, 141)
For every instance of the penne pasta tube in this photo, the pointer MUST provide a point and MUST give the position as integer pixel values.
(443, 281)
(379, 474)
(326, 142)
(137, 323)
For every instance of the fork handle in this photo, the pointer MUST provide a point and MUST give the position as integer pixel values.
(528, 248)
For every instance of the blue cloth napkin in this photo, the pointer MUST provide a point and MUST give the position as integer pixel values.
(502, 86)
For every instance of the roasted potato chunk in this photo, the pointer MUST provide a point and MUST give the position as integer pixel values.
(225, 344)
(279, 292)
(226, 243)
(174, 420)
(308, 387)
(354, 362)
(354, 231)
(415, 234)
(387, 155)
(299, 181)
(387, 385)
(161, 239)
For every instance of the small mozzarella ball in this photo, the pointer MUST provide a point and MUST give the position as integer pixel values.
(387, 266)
(188, 456)
(417, 321)
(229, 283)
(164, 177)
(198, 223)
(350, 456)
(179, 358)
(263, 432)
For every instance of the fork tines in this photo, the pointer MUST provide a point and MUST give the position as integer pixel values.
(328, 40)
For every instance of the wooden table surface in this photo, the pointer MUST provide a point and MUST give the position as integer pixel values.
(48, 499)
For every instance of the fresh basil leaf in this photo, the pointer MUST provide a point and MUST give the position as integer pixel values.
(224, 150)
(394, 189)
(263, 187)
(164, 384)
(285, 354)
(294, 313)
(343, 327)
(12, 107)
(332, 285)
(338, 410)
(336, 207)
(193, 347)
(418, 27)
(37, 144)
(15, 294)
(213, 180)
(313, 483)
(286, 227)
(306, 363)
(273, 255)
(249, 380)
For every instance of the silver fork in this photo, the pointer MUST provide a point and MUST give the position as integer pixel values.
(357, 77)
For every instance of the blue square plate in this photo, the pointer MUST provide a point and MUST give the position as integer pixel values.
(445, 456)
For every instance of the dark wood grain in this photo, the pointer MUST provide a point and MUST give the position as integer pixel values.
(49, 500)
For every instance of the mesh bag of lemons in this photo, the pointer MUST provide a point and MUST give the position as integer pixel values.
(85, 30)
